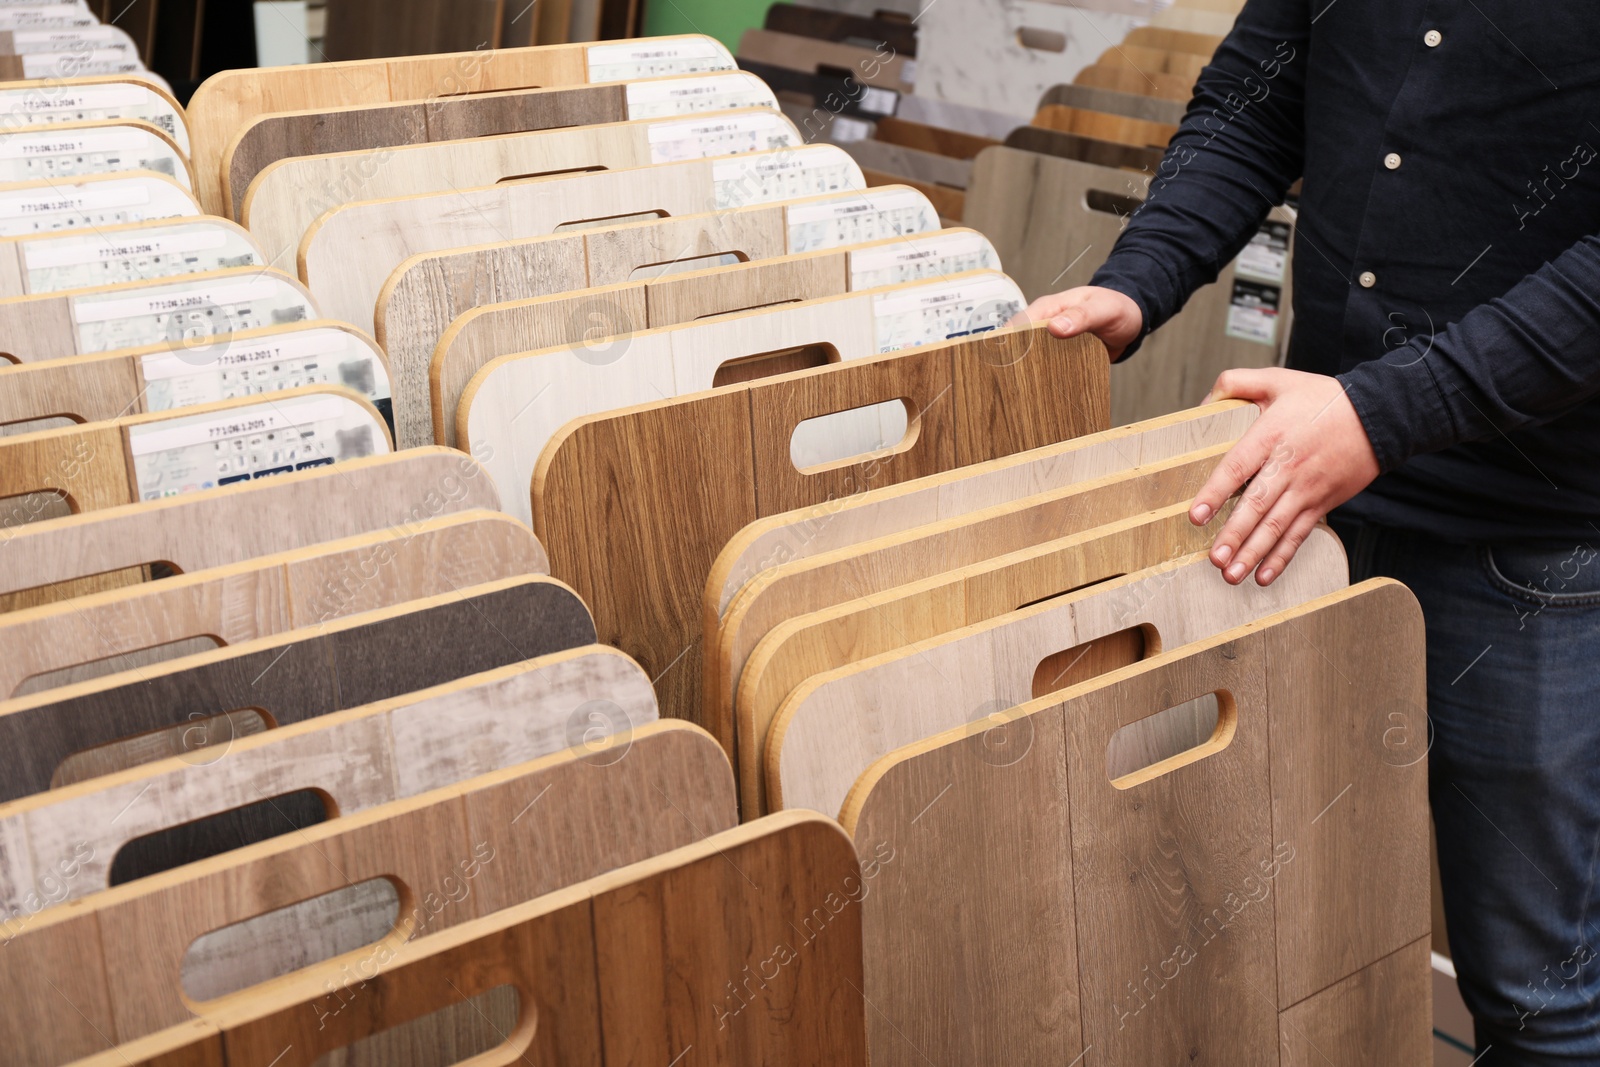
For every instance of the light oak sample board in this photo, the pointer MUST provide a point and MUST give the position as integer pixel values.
(97, 200)
(461, 852)
(1238, 321)
(1173, 87)
(349, 253)
(424, 296)
(93, 100)
(876, 68)
(1103, 126)
(683, 475)
(268, 138)
(789, 536)
(289, 195)
(516, 404)
(1194, 20)
(1255, 875)
(1148, 60)
(1131, 105)
(1170, 40)
(261, 517)
(837, 723)
(75, 149)
(223, 103)
(892, 593)
(262, 596)
(167, 453)
(670, 934)
(122, 254)
(182, 312)
(198, 705)
(486, 332)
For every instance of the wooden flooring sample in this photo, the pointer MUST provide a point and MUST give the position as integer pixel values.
(1236, 322)
(268, 138)
(1105, 127)
(1161, 915)
(347, 255)
(119, 255)
(70, 734)
(353, 760)
(98, 200)
(48, 103)
(1088, 149)
(289, 195)
(1121, 79)
(671, 481)
(262, 517)
(221, 106)
(179, 312)
(1200, 44)
(515, 404)
(837, 723)
(1148, 60)
(463, 851)
(106, 632)
(879, 69)
(1133, 105)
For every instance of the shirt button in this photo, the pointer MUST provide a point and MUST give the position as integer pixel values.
(1392, 160)
(1432, 38)
(1368, 279)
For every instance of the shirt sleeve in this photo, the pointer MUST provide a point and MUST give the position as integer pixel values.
(1239, 148)
(1519, 360)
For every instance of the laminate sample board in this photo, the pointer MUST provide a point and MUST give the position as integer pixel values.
(890, 509)
(483, 333)
(631, 967)
(898, 35)
(289, 195)
(879, 68)
(263, 596)
(180, 312)
(1147, 60)
(1170, 40)
(672, 480)
(362, 29)
(1235, 872)
(340, 663)
(911, 164)
(119, 255)
(95, 200)
(460, 852)
(1104, 127)
(93, 100)
(108, 385)
(261, 517)
(77, 149)
(1120, 79)
(1132, 105)
(1192, 20)
(268, 138)
(354, 760)
(223, 103)
(1088, 149)
(838, 722)
(978, 121)
(349, 253)
(166, 453)
(426, 293)
(1235, 322)
(516, 404)
(843, 607)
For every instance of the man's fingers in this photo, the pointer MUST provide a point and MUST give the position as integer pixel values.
(1243, 384)
(1284, 550)
(1271, 529)
(1253, 507)
(1241, 463)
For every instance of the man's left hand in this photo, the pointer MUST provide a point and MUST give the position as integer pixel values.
(1304, 456)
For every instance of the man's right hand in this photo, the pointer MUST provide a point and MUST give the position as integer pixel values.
(1106, 313)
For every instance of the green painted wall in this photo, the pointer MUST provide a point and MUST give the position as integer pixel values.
(723, 19)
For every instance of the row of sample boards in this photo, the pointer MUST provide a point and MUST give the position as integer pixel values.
(316, 751)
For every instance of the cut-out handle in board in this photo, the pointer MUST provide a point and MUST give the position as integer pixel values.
(75, 149)
(140, 252)
(93, 100)
(41, 207)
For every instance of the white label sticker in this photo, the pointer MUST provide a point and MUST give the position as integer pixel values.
(915, 258)
(908, 71)
(166, 299)
(656, 57)
(88, 198)
(846, 129)
(784, 175)
(73, 98)
(76, 64)
(924, 314)
(715, 92)
(70, 251)
(50, 16)
(69, 39)
(1253, 313)
(301, 344)
(247, 419)
(1266, 257)
(761, 131)
(243, 367)
(865, 216)
(44, 143)
(878, 101)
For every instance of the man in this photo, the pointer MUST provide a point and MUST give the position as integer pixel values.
(1446, 360)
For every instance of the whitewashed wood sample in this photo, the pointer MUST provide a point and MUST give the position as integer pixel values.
(288, 196)
(836, 724)
(187, 313)
(121, 254)
(359, 758)
(75, 149)
(93, 100)
(97, 200)
(347, 255)
(516, 403)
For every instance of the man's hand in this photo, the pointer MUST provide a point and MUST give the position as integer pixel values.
(1304, 456)
(1106, 313)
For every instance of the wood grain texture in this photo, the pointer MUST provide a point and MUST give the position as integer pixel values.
(1103, 126)
(642, 472)
(926, 168)
(293, 676)
(1122, 79)
(460, 852)
(270, 594)
(950, 203)
(1193, 20)
(1179, 363)
(225, 101)
(1382, 1015)
(936, 139)
(356, 759)
(884, 70)
(1088, 149)
(360, 29)
(1170, 40)
(287, 196)
(1167, 888)
(1133, 105)
(836, 724)
(1148, 60)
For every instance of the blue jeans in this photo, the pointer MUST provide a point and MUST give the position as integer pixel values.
(1513, 777)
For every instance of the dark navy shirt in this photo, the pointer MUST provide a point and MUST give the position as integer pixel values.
(1446, 258)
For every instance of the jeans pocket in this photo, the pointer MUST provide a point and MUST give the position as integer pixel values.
(1545, 577)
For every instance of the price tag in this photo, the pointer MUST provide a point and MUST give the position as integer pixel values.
(1253, 312)
(83, 198)
(169, 298)
(715, 92)
(89, 103)
(631, 60)
(36, 143)
(917, 257)
(858, 217)
(760, 131)
(939, 311)
(164, 241)
(250, 366)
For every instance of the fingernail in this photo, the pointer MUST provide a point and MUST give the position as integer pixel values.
(1060, 322)
(1223, 554)
(1236, 572)
(1201, 514)
(1265, 575)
